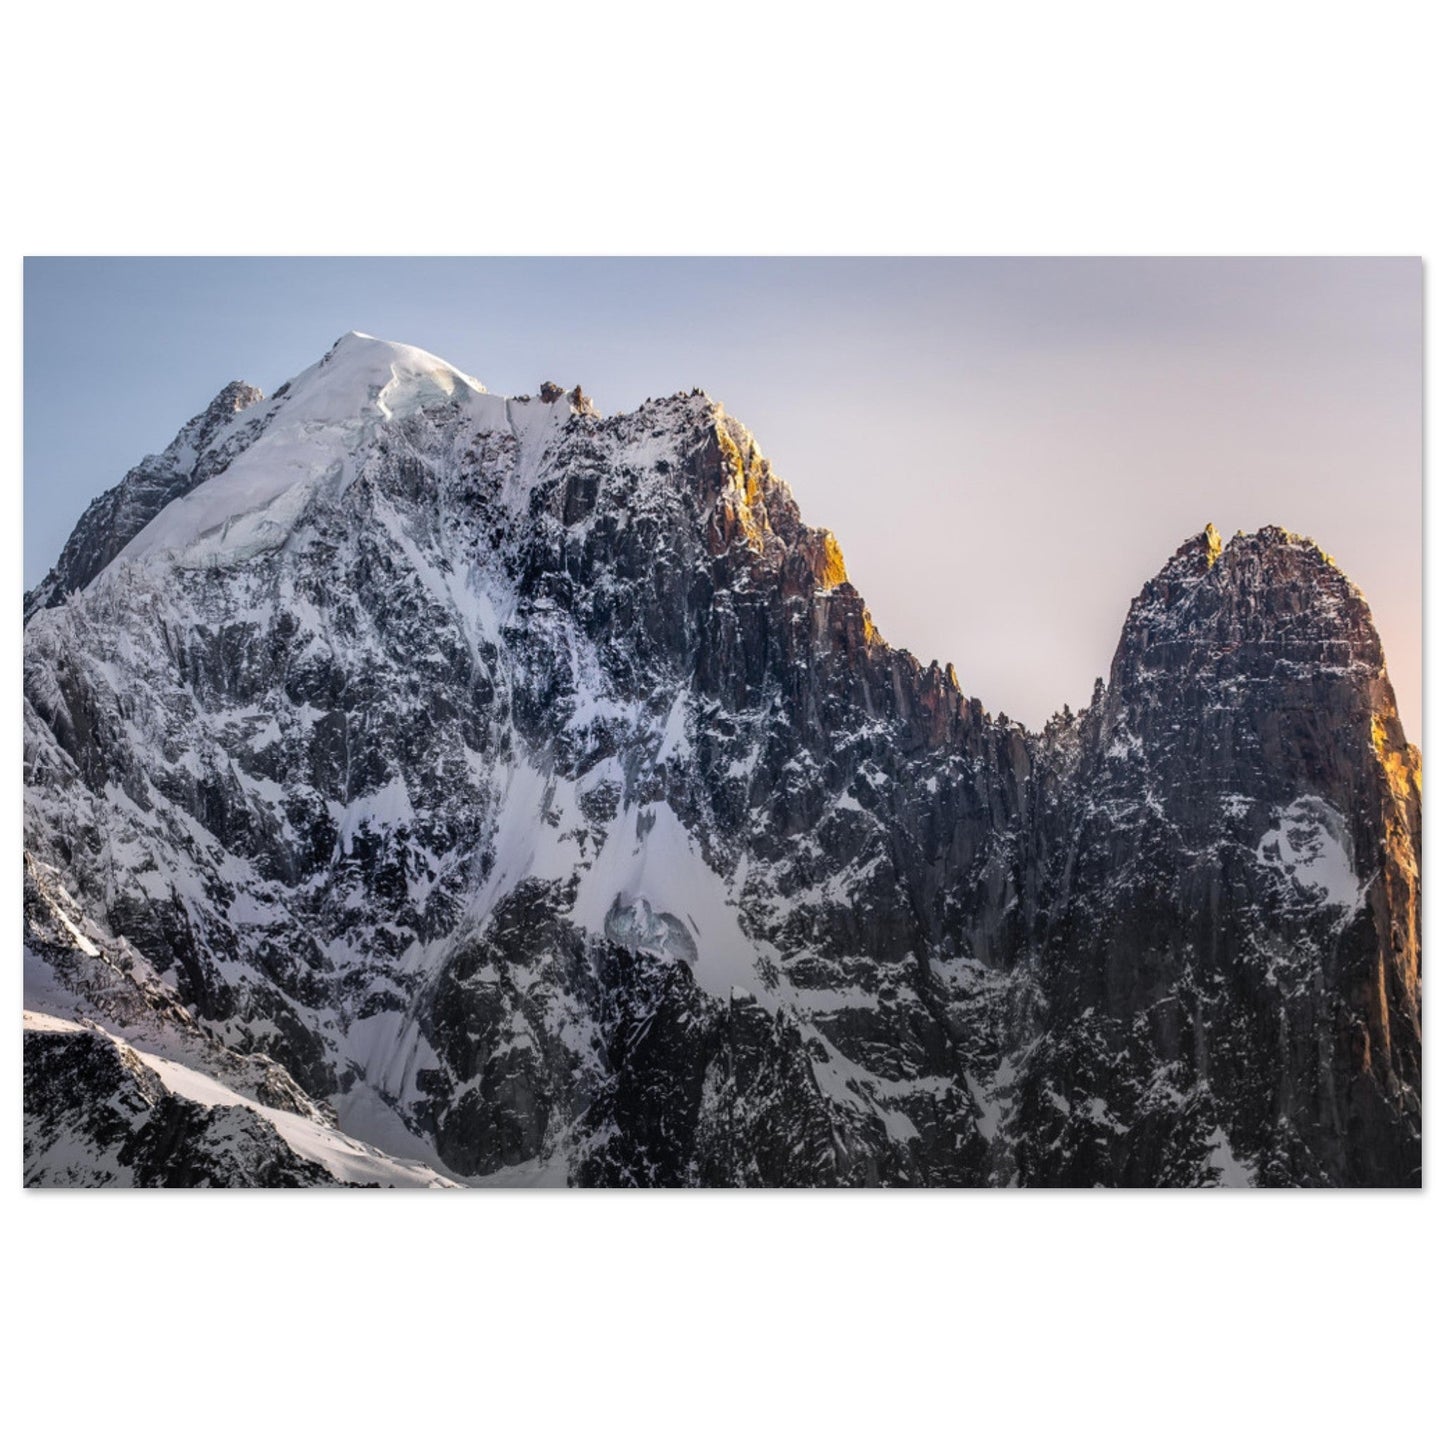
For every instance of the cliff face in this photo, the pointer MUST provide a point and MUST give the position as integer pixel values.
(1236, 873)
(541, 781)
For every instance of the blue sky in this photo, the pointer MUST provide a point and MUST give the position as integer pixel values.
(1006, 449)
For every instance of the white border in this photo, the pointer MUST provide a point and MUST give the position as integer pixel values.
(1034, 129)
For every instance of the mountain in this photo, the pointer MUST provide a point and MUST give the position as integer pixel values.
(114, 518)
(529, 795)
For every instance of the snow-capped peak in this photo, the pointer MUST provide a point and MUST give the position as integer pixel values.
(316, 425)
(405, 374)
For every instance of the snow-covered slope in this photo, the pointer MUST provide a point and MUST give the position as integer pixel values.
(152, 1097)
(321, 423)
(67, 1143)
(205, 445)
(534, 789)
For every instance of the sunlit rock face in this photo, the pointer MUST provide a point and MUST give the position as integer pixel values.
(537, 784)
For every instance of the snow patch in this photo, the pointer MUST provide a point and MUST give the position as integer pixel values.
(650, 857)
(1230, 1172)
(1311, 846)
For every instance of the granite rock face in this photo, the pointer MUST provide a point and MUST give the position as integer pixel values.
(541, 778)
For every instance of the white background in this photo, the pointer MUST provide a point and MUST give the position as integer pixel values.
(1001, 129)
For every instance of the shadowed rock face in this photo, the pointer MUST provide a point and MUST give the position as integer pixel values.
(550, 781)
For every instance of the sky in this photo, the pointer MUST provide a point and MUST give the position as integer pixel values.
(1006, 449)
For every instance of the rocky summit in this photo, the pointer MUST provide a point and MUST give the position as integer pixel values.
(429, 787)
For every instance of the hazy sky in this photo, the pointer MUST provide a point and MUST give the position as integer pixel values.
(1007, 450)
